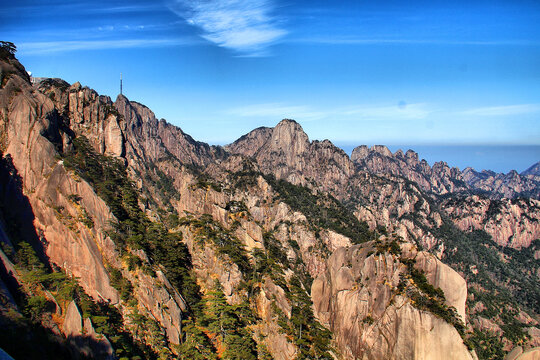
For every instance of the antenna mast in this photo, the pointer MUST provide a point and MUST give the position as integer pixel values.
(120, 83)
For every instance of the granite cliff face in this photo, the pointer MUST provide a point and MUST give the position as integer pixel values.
(70, 221)
(512, 223)
(162, 232)
(374, 321)
(286, 152)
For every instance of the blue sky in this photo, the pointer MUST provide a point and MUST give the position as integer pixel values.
(355, 72)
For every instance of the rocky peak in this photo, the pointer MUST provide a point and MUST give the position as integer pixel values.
(289, 136)
(439, 179)
(151, 139)
(359, 153)
(534, 170)
(500, 185)
(411, 156)
(286, 152)
(381, 149)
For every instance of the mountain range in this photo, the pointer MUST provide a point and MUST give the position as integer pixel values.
(122, 237)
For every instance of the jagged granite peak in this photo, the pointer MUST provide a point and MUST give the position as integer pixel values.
(286, 152)
(152, 139)
(288, 134)
(381, 149)
(534, 170)
(411, 156)
(439, 179)
(362, 151)
(500, 185)
(359, 153)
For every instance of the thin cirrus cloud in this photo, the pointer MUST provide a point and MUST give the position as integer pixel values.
(401, 111)
(277, 111)
(246, 26)
(410, 41)
(521, 109)
(46, 47)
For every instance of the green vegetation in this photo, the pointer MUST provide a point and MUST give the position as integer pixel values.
(222, 327)
(487, 345)
(513, 281)
(133, 229)
(162, 182)
(165, 185)
(205, 182)
(229, 325)
(226, 244)
(38, 280)
(247, 177)
(311, 338)
(502, 279)
(7, 49)
(322, 211)
(426, 297)
(121, 284)
(388, 246)
(195, 344)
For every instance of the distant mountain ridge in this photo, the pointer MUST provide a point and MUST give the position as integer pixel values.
(440, 179)
(534, 170)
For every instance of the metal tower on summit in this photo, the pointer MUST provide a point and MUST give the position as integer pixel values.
(120, 83)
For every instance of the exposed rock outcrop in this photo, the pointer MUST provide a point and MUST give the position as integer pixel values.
(286, 152)
(357, 298)
(65, 215)
(439, 179)
(82, 335)
(511, 185)
(512, 223)
(519, 354)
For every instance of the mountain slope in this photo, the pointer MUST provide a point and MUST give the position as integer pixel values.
(184, 250)
(394, 204)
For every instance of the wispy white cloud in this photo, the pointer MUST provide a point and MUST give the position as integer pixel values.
(277, 111)
(377, 41)
(127, 9)
(401, 111)
(81, 7)
(506, 110)
(397, 112)
(246, 26)
(46, 47)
